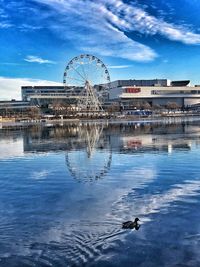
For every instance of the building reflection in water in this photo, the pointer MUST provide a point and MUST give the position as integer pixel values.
(88, 152)
(88, 147)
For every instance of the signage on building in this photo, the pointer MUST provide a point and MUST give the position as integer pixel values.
(132, 90)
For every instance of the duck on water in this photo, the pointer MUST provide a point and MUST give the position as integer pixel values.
(131, 224)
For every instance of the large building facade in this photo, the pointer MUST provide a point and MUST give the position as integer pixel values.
(40, 95)
(155, 92)
(129, 93)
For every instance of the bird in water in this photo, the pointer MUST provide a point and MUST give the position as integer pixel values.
(131, 224)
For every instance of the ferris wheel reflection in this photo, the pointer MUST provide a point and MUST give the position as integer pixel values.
(93, 160)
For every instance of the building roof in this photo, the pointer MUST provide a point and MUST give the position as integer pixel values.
(180, 83)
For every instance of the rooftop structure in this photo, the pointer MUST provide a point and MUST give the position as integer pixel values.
(153, 82)
(119, 83)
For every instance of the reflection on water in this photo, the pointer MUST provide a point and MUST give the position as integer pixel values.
(66, 189)
(94, 159)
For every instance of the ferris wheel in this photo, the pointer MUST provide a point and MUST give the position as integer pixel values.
(87, 78)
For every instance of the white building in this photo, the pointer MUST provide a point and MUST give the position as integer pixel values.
(47, 94)
(155, 92)
(128, 92)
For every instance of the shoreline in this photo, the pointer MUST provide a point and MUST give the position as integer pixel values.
(159, 119)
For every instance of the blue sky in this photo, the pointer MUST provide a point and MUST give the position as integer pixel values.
(135, 39)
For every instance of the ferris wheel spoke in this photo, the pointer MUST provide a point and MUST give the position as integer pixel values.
(75, 79)
(90, 72)
(84, 73)
(87, 70)
(78, 73)
(94, 74)
(102, 73)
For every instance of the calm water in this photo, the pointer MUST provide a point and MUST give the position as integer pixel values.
(65, 191)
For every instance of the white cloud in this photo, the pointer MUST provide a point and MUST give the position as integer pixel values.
(75, 21)
(26, 27)
(136, 19)
(5, 25)
(100, 27)
(10, 88)
(119, 66)
(39, 60)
